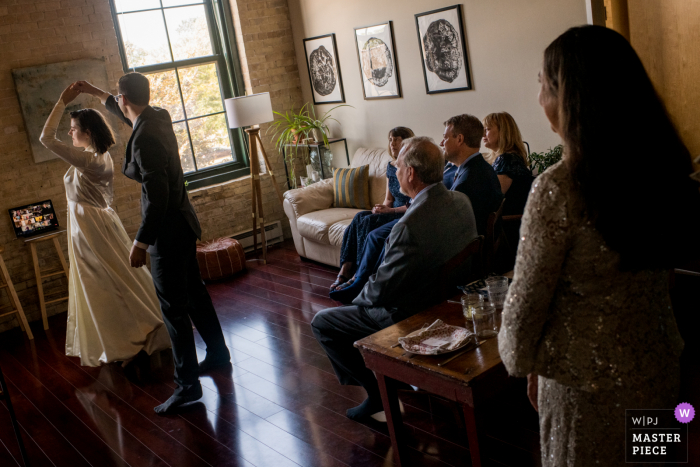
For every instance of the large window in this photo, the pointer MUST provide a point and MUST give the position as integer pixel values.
(183, 47)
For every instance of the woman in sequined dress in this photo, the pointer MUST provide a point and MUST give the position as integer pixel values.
(394, 206)
(588, 317)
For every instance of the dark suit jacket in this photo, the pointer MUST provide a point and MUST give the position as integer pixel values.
(437, 226)
(480, 183)
(152, 159)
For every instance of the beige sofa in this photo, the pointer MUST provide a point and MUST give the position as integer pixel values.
(318, 226)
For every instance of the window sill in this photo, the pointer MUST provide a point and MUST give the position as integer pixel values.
(214, 177)
(202, 189)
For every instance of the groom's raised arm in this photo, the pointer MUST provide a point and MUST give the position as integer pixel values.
(106, 98)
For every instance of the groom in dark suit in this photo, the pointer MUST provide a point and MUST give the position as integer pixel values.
(436, 227)
(169, 231)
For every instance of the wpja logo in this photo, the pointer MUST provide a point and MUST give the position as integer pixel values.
(654, 435)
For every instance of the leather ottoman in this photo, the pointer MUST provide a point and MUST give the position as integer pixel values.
(220, 258)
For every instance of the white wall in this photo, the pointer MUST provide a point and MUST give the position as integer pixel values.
(505, 43)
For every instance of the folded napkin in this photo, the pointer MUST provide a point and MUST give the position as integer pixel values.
(435, 339)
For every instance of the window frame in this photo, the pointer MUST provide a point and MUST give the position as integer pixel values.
(227, 60)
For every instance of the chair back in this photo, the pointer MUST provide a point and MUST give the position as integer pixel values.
(454, 273)
(494, 237)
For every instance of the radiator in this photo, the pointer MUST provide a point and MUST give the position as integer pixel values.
(273, 234)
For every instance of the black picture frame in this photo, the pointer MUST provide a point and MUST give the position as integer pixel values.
(434, 82)
(336, 92)
(396, 76)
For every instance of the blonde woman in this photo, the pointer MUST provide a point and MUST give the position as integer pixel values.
(509, 159)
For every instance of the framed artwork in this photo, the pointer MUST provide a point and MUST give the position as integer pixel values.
(324, 71)
(443, 50)
(376, 53)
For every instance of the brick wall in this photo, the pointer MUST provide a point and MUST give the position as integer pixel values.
(33, 33)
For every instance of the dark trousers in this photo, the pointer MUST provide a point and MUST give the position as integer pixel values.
(373, 253)
(337, 329)
(184, 297)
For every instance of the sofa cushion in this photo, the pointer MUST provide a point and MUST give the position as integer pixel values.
(351, 188)
(317, 225)
(377, 159)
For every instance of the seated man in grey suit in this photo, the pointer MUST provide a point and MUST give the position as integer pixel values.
(438, 225)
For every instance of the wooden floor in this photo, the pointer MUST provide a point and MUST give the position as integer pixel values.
(279, 405)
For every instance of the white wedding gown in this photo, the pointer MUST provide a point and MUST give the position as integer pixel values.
(113, 311)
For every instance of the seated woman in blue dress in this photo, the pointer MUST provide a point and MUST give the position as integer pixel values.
(509, 159)
(394, 206)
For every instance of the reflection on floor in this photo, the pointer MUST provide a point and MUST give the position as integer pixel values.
(279, 404)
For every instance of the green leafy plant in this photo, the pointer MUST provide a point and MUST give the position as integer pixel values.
(296, 127)
(541, 161)
(310, 122)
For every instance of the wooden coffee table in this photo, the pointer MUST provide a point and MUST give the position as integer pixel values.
(485, 374)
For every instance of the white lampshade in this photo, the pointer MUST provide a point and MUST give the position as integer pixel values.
(249, 110)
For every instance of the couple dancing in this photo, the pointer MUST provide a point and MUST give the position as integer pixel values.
(113, 302)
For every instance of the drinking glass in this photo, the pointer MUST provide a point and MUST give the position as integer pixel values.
(497, 287)
(484, 319)
(469, 302)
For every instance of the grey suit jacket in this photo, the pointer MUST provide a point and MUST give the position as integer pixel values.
(436, 227)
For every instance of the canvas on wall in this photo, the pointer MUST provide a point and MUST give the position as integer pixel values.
(376, 53)
(443, 50)
(324, 71)
(40, 87)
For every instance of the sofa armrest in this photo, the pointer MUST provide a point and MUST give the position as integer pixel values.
(311, 198)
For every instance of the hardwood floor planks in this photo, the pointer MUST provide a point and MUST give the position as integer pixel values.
(278, 404)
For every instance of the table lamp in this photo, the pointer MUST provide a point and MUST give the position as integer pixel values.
(245, 112)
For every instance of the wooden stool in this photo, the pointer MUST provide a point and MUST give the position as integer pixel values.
(40, 275)
(15, 306)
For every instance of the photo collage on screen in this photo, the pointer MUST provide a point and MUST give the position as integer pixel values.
(33, 219)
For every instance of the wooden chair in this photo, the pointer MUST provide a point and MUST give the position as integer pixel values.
(4, 395)
(450, 276)
(41, 275)
(15, 306)
(494, 238)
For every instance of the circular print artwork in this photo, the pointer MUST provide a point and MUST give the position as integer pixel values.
(322, 73)
(441, 48)
(376, 62)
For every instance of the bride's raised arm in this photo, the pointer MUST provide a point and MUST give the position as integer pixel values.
(74, 156)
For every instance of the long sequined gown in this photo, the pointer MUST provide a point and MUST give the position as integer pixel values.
(113, 311)
(602, 340)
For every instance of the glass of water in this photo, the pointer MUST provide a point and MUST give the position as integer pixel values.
(497, 287)
(469, 302)
(484, 319)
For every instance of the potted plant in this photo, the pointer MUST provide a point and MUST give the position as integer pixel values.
(541, 161)
(294, 128)
(317, 127)
(288, 132)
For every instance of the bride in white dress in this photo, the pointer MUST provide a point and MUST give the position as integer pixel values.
(113, 311)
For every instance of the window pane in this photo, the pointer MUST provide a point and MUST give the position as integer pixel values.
(200, 90)
(165, 93)
(132, 5)
(211, 142)
(189, 32)
(167, 3)
(145, 40)
(183, 143)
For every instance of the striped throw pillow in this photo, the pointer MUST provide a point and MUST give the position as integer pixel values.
(351, 187)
